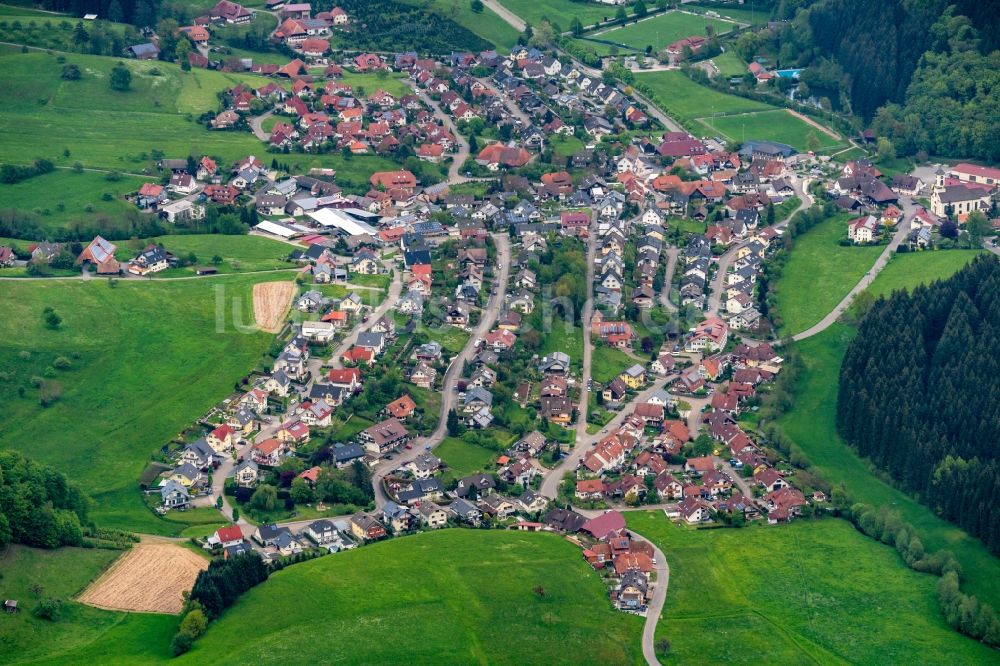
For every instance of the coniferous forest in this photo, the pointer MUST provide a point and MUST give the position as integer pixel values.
(920, 395)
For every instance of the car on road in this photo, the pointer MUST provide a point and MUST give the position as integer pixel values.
(427, 448)
(409, 446)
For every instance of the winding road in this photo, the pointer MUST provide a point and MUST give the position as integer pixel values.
(449, 394)
(457, 159)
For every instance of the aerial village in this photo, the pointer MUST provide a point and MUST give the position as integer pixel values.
(462, 340)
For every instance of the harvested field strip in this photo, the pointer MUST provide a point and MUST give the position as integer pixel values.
(151, 578)
(271, 301)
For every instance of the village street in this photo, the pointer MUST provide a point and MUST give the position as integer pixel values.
(449, 393)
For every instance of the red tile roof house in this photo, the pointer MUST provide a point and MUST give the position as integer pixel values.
(604, 526)
(230, 535)
(589, 489)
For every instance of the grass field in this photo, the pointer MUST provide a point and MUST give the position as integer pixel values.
(751, 16)
(14, 10)
(463, 596)
(42, 115)
(659, 31)
(777, 125)
(819, 273)
(463, 458)
(808, 592)
(63, 196)
(487, 24)
(905, 270)
(678, 95)
(562, 11)
(239, 253)
(608, 362)
(147, 360)
(811, 424)
(730, 64)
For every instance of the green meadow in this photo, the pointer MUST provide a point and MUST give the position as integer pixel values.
(62, 197)
(238, 253)
(813, 591)
(562, 11)
(678, 95)
(659, 31)
(445, 597)
(819, 273)
(777, 125)
(146, 360)
(464, 458)
(45, 116)
(812, 425)
(608, 362)
(487, 24)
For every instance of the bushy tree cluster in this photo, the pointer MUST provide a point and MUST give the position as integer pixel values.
(219, 586)
(39, 506)
(920, 395)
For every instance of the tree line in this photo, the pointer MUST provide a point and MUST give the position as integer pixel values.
(920, 395)
(39, 506)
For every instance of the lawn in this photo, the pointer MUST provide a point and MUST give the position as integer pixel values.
(451, 338)
(463, 596)
(608, 362)
(776, 125)
(565, 338)
(659, 31)
(464, 458)
(808, 592)
(819, 273)
(238, 253)
(64, 196)
(566, 146)
(147, 360)
(730, 64)
(487, 24)
(681, 97)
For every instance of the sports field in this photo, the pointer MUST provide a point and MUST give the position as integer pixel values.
(807, 592)
(146, 359)
(659, 31)
(777, 125)
(681, 97)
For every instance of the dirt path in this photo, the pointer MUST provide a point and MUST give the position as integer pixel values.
(809, 121)
(271, 302)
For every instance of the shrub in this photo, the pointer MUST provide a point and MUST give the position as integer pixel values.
(181, 643)
(48, 609)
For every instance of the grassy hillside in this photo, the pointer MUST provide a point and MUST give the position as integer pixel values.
(809, 592)
(42, 115)
(812, 425)
(147, 359)
(561, 11)
(64, 196)
(448, 597)
(819, 273)
(487, 25)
